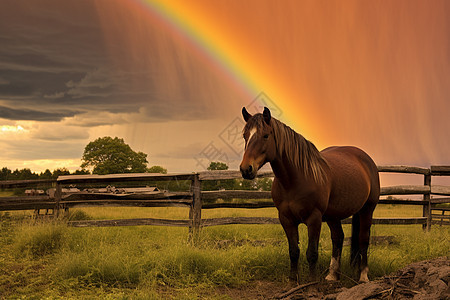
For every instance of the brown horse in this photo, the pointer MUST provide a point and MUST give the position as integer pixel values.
(311, 186)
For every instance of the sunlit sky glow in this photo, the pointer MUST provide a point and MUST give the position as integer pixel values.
(10, 128)
(170, 77)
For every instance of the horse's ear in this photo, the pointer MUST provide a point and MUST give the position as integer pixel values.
(266, 115)
(245, 114)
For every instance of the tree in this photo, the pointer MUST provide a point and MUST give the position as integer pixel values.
(157, 169)
(81, 172)
(24, 174)
(60, 172)
(5, 173)
(47, 174)
(109, 155)
(217, 165)
(227, 184)
(264, 184)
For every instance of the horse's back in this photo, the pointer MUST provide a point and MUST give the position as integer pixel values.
(354, 180)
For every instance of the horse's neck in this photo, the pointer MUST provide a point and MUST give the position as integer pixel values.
(286, 172)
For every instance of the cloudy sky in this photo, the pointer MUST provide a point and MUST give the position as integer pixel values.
(375, 75)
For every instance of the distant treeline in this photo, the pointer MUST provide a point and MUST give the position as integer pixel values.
(262, 184)
(26, 174)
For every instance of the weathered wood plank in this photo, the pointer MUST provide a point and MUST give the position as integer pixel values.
(25, 199)
(435, 216)
(26, 203)
(403, 169)
(250, 205)
(262, 220)
(440, 222)
(426, 212)
(441, 208)
(400, 221)
(220, 221)
(130, 222)
(440, 170)
(393, 221)
(69, 179)
(236, 194)
(85, 196)
(405, 190)
(27, 206)
(195, 212)
(238, 220)
(228, 174)
(25, 183)
(440, 190)
(402, 201)
(58, 196)
(440, 200)
(128, 203)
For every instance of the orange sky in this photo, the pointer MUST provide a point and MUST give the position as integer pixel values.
(368, 74)
(371, 74)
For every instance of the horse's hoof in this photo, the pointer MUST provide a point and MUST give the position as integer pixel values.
(363, 278)
(332, 277)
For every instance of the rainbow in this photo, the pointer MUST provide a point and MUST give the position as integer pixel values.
(217, 49)
(236, 63)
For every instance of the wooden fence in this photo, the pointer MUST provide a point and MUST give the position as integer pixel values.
(197, 200)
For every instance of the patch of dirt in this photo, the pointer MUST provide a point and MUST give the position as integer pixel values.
(258, 290)
(425, 280)
(419, 281)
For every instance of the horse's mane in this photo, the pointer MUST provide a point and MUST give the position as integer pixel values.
(302, 153)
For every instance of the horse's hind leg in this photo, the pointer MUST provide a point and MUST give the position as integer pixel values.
(291, 230)
(365, 215)
(337, 238)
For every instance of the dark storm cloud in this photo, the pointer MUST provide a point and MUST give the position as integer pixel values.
(53, 57)
(68, 56)
(29, 115)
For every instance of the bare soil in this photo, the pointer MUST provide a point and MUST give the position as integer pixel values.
(425, 280)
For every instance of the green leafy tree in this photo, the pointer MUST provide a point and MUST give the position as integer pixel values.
(264, 184)
(81, 172)
(5, 174)
(24, 174)
(247, 184)
(60, 172)
(109, 155)
(217, 165)
(228, 184)
(47, 174)
(157, 169)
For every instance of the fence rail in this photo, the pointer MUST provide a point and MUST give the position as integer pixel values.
(194, 199)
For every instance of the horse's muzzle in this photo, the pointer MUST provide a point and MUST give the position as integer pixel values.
(248, 173)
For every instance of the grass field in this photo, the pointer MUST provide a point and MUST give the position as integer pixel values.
(50, 260)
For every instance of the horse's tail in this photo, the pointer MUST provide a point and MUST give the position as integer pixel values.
(355, 254)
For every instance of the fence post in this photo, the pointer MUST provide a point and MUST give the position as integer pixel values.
(58, 195)
(427, 206)
(195, 212)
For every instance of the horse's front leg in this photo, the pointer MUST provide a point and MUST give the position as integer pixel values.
(291, 230)
(314, 224)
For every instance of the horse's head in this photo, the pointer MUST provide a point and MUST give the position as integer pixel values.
(259, 142)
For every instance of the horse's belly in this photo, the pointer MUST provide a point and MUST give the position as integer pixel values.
(298, 204)
(348, 198)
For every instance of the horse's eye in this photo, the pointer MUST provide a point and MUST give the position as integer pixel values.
(266, 136)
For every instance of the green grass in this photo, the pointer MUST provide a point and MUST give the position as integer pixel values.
(6, 193)
(49, 259)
